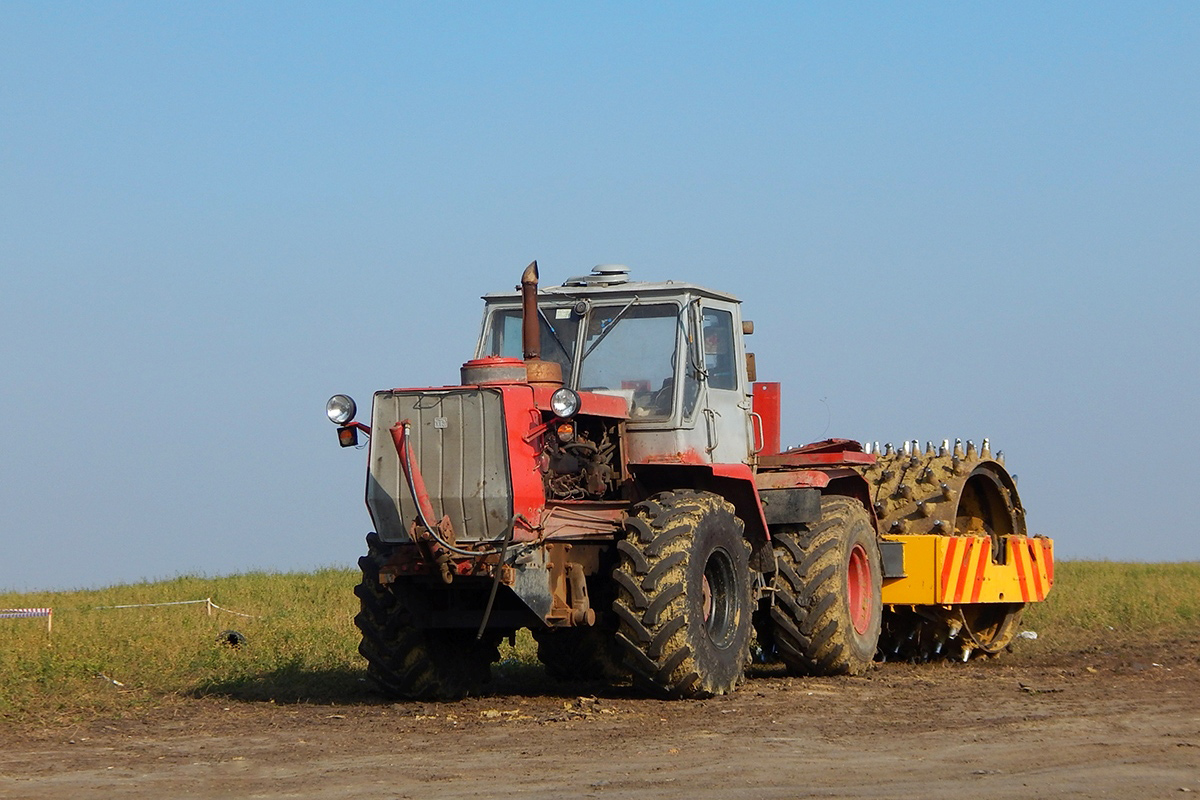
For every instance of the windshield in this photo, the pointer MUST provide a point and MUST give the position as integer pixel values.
(559, 327)
(628, 350)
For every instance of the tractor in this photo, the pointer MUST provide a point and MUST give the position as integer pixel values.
(608, 474)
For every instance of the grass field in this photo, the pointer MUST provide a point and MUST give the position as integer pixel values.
(300, 641)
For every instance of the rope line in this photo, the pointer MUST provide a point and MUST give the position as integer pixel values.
(206, 601)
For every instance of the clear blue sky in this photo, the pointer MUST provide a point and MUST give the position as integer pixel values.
(946, 220)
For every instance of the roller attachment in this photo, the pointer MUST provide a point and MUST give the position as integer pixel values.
(973, 495)
(955, 491)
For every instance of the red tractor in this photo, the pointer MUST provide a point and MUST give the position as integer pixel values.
(609, 475)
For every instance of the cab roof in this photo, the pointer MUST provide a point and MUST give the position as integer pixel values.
(612, 280)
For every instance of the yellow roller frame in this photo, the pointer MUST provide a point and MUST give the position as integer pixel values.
(954, 570)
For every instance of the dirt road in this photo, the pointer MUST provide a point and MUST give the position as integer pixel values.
(1118, 722)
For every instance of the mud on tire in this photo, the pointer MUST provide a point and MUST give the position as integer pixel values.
(827, 612)
(406, 661)
(684, 594)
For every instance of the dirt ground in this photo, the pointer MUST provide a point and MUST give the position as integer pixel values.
(1121, 721)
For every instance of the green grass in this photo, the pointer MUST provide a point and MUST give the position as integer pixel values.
(301, 641)
(300, 644)
(1093, 600)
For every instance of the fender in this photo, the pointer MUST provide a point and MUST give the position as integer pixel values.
(734, 482)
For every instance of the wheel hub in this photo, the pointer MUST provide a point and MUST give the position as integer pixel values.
(718, 598)
(858, 585)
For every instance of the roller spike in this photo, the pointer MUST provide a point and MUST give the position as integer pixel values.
(971, 454)
(1000, 457)
(939, 526)
(877, 450)
(945, 447)
(966, 653)
(905, 491)
(886, 476)
(926, 475)
(929, 451)
(986, 450)
(888, 449)
(956, 464)
(924, 508)
(867, 448)
(916, 447)
(900, 526)
(879, 509)
(907, 448)
(947, 492)
(958, 448)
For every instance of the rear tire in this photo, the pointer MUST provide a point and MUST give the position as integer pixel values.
(684, 594)
(827, 612)
(409, 662)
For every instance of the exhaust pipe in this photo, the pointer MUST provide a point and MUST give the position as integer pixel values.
(531, 335)
(544, 372)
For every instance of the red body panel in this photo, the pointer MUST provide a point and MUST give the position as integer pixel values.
(522, 420)
(745, 477)
(767, 407)
(829, 452)
(793, 479)
(590, 403)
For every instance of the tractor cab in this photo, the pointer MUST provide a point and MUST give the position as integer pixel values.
(673, 351)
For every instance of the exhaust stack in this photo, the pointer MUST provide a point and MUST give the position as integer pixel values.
(531, 338)
(539, 371)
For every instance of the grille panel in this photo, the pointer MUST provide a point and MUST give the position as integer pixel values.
(459, 444)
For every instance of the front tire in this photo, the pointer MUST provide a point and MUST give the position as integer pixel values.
(684, 594)
(409, 662)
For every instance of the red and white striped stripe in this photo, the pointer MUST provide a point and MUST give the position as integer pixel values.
(24, 613)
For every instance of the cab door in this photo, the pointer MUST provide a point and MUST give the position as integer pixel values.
(720, 360)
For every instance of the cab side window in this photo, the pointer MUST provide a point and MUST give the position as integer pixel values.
(719, 359)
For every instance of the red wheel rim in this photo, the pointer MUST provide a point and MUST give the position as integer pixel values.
(858, 585)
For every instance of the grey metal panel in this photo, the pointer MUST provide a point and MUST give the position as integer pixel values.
(790, 506)
(458, 440)
(892, 556)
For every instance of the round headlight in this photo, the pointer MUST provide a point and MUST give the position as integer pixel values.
(564, 403)
(340, 409)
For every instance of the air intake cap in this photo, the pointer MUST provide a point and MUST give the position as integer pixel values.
(602, 275)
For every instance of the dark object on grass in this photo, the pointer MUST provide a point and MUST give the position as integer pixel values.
(231, 639)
